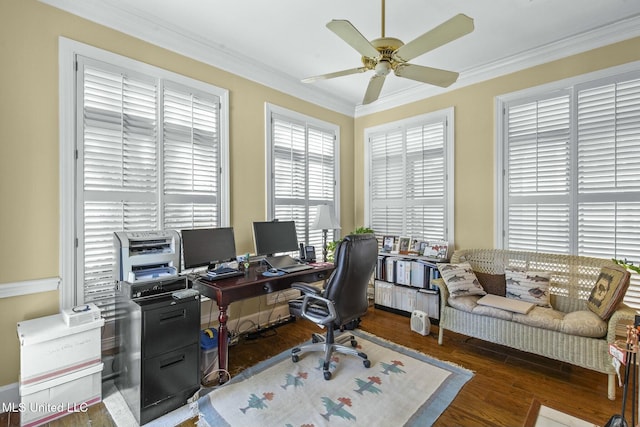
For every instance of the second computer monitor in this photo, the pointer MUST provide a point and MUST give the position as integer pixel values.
(272, 237)
(208, 246)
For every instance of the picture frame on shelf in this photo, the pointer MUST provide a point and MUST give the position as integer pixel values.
(436, 249)
(388, 243)
(404, 244)
(415, 247)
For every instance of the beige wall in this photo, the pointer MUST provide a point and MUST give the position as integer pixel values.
(475, 135)
(29, 217)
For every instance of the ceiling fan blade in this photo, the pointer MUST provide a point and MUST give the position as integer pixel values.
(446, 32)
(347, 32)
(434, 76)
(335, 74)
(373, 90)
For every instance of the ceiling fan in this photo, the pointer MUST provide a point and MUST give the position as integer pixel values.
(387, 54)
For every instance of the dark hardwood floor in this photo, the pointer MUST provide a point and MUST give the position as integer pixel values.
(505, 383)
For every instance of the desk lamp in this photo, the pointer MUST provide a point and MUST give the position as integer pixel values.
(325, 220)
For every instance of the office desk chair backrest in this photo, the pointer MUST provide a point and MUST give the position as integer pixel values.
(355, 259)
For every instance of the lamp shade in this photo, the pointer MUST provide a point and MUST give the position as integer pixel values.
(325, 219)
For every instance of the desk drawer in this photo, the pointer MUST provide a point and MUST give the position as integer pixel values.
(169, 326)
(170, 374)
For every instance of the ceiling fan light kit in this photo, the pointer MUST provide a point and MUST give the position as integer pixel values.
(386, 54)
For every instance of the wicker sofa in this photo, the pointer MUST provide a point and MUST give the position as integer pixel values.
(572, 279)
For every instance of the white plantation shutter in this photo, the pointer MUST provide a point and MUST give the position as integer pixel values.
(573, 180)
(148, 156)
(608, 172)
(304, 166)
(191, 158)
(408, 173)
(537, 178)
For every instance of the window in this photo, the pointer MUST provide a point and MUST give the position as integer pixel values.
(571, 158)
(410, 170)
(149, 153)
(302, 158)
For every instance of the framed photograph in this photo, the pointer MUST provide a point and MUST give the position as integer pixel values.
(388, 242)
(415, 246)
(438, 249)
(403, 245)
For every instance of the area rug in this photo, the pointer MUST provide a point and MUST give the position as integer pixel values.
(402, 387)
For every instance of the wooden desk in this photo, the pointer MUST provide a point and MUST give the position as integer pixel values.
(252, 284)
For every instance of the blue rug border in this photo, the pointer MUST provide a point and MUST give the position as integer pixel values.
(438, 402)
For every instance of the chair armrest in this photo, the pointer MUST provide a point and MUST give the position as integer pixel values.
(306, 288)
(444, 291)
(624, 315)
(306, 310)
(444, 294)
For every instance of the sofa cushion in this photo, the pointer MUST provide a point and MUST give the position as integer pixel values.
(494, 284)
(608, 291)
(460, 279)
(529, 286)
(584, 323)
(541, 317)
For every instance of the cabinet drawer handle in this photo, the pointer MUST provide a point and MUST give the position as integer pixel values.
(170, 362)
(166, 317)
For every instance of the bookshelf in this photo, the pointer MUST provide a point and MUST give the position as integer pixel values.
(402, 284)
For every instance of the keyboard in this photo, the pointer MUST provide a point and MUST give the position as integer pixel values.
(221, 273)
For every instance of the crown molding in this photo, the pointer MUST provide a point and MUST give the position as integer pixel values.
(603, 36)
(166, 35)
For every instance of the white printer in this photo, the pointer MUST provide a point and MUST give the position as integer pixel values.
(146, 255)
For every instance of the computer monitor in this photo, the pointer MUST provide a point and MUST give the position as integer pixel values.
(208, 246)
(272, 237)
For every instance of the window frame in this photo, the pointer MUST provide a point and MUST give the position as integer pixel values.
(448, 116)
(270, 110)
(533, 93)
(68, 98)
(577, 199)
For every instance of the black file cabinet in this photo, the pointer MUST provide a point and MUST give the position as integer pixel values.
(159, 358)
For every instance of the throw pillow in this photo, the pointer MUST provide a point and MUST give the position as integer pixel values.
(608, 291)
(460, 279)
(529, 286)
(492, 283)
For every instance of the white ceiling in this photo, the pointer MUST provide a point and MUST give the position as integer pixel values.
(279, 42)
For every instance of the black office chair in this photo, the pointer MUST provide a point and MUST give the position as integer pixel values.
(342, 302)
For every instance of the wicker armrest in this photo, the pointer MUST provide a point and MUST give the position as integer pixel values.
(624, 315)
(444, 291)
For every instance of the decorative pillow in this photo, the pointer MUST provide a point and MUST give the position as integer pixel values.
(529, 286)
(608, 291)
(460, 279)
(492, 283)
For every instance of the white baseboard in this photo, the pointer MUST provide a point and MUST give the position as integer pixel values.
(9, 395)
